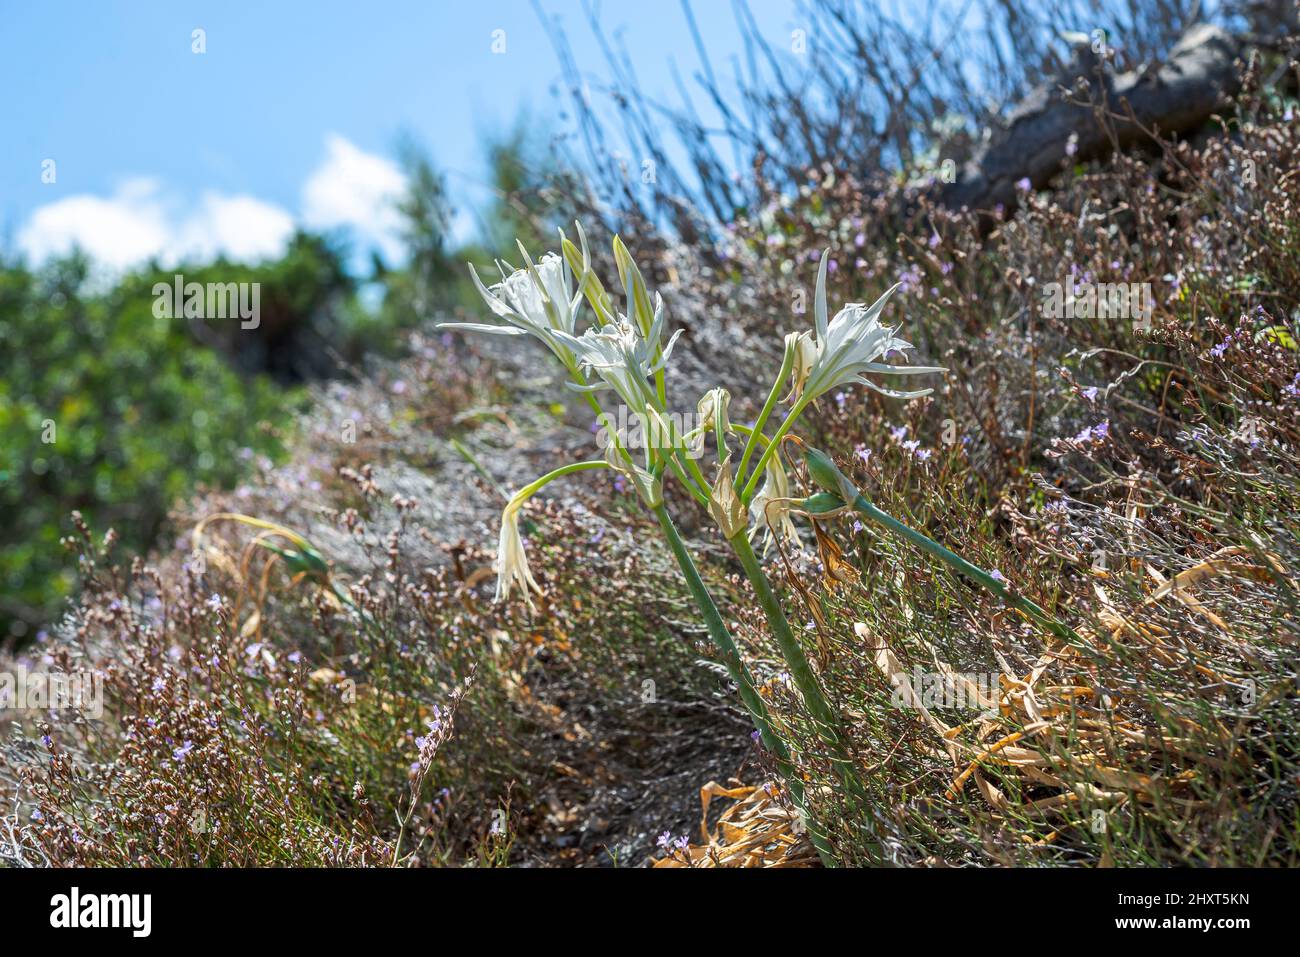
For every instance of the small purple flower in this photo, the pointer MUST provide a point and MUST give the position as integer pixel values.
(664, 839)
(998, 576)
(897, 432)
(864, 453)
(1090, 393)
(1024, 185)
(183, 751)
(909, 280)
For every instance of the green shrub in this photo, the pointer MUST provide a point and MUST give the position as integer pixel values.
(106, 409)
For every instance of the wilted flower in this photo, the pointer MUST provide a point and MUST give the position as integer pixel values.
(770, 507)
(512, 563)
(725, 505)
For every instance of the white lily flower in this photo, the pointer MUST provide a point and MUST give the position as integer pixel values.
(847, 347)
(512, 564)
(537, 300)
(622, 358)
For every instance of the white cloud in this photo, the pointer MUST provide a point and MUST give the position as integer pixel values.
(358, 191)
(243, 228)
(118, 232)
(138, 222)
(350, 189)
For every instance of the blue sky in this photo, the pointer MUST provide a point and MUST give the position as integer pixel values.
(292, 115)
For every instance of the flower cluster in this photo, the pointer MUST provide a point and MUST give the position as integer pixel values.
(625, 353)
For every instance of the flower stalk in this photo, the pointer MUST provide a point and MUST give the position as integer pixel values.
(735, 665)
(827, 720)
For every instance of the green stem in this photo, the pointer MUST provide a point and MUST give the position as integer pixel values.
(532, 487)
(592, 401)
(824, 716)
(748, 491)
(739, 673)
(786, 364)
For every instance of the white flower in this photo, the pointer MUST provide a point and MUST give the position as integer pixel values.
(622, 358)
(713, 409)
(512, 563)
(537, 300)
(848, 346)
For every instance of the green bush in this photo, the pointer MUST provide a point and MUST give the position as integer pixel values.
(109, 410)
